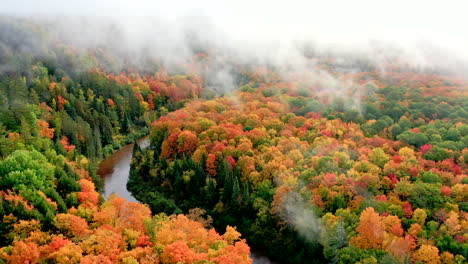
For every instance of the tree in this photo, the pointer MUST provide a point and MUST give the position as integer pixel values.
(88, 195)
(437, 154)
(415, 139)
(104, 243)
(393, 225)
(122, 214)
(187, 142)
(370, 230)
(426, 254)
(419, 216)
(29, 169)
(179, 252)
(426, 195)
(66, 145)
(211, 164)
(23, 253)
(400, 247)
(453, 134)
(44, 130)
(71, 225)
(452, 223)
(69, 253)
(378, 157)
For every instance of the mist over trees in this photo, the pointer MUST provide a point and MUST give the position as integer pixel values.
(310, 153)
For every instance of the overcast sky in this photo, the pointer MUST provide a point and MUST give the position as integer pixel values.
(331, 19)
(407, 23)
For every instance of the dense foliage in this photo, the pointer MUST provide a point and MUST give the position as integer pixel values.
(310, 178)
(313, 165)
(57, 121)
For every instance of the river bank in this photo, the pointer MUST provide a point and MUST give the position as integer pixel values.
(115, 170)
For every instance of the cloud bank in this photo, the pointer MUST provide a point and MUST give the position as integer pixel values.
(423, 33)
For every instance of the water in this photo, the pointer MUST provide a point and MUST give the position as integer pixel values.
(115, 170)
(259, 257)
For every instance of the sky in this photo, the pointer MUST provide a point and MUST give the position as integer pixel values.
(413, 25)
(333, 19)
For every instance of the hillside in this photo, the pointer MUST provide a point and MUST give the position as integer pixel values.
(337, 159)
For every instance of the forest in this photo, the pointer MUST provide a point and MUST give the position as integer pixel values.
(335, 162)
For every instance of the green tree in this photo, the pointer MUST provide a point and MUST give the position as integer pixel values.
(378, 157)
(426, 195)
(28, 168)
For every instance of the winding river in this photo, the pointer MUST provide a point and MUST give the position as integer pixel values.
(115, 170)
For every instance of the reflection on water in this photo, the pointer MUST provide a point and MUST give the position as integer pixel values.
(259, 257)
(115, 170)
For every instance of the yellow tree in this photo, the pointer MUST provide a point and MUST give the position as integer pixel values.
(426, 254)
(419, 216)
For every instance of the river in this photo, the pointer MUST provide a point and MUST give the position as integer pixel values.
(115, 170)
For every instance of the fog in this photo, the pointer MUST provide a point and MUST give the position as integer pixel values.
(421, 33)
(284, 35)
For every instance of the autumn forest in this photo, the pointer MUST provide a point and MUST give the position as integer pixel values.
(341, 160)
